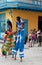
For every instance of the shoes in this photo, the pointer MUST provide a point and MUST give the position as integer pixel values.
(20, 59)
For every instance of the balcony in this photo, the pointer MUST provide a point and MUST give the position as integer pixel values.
(34, 5)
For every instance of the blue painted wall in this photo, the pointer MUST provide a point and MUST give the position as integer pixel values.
(19, 5)
(3, 24)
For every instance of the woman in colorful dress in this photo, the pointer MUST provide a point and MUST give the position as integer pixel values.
(8, 36)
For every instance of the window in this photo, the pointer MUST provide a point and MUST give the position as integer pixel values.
(35, 1)
(41, 2)
(2, 23)
(38, 2)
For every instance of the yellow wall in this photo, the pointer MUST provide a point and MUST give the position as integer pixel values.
(32, 17)
(8, 16)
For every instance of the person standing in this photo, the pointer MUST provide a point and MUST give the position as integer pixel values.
(9, 44)
(39, 37)
(20, 38)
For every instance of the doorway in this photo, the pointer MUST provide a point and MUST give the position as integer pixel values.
(40, 23)
(25, 30)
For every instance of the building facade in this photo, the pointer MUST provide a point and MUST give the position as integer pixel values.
(29, 10)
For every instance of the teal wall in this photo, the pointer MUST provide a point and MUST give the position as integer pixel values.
(3, 24)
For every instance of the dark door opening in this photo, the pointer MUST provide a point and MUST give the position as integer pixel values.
(40, 23)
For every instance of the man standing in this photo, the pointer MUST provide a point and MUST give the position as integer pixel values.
(20, 38)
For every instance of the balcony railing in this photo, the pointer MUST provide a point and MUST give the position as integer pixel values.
(22, 4)
(38, 2)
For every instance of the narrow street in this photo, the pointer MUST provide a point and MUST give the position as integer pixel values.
(33, 56)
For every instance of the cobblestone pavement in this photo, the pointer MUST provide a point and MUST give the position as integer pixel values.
(33, 56)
